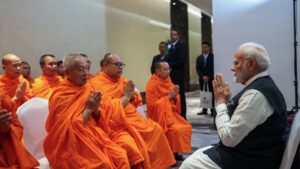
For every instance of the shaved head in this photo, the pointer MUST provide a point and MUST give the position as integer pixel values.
(11, 65)
(76, 69)
(8, 58)
(112, 65)
(70, 61)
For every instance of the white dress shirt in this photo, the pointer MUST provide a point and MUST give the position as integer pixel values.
(252, 110)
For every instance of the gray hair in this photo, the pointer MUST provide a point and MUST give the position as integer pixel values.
(70, 60)
(252, 49)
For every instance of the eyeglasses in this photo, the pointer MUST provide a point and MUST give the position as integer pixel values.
(120, 65)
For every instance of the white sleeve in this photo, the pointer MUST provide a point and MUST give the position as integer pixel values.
(252, 110)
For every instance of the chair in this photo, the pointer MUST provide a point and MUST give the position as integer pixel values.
(33, 115)
(292, 144)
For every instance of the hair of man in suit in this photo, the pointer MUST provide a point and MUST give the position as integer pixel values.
(174, 34)
(205, 43)
(205, 47)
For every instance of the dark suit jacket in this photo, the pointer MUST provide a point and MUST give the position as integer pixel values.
(177, 59)
(205, 69)
(155, 59)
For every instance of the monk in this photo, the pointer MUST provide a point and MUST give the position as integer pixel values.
(60, 70)
(163, 106)
(74, 138)
(12, 152)
(43, 85)
(89, 64)
(11, 83)
(25, 72)
(115, 87)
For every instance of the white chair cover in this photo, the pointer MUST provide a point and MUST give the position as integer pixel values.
(33, 115)
(292, 144)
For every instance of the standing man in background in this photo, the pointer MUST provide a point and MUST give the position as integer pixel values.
(177, 60)
(205, 70)
(161, 56)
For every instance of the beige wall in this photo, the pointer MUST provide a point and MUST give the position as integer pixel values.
(130, 28)
(132, 34)
(32, 28)
(194, 41)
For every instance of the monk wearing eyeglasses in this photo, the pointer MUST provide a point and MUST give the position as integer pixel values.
(115, 88)
(76, 128)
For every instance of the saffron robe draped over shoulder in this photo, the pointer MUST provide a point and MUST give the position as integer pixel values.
(122, 133)
(72, 144)
(43, 86)
(13, 154)
(9, 86)
(30, 81)
(167, 113)
(159, 151)
(90, 76)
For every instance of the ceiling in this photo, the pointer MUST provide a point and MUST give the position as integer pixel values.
(204, 5)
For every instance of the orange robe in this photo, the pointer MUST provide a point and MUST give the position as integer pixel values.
(13, 154)
(72, 144)
(90, 76)
(167, 113)
(160, 154)
(125, 135)
(30, 81)
(9, 86)
(43, 86)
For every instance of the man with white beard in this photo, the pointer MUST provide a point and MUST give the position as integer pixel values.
(251, 124)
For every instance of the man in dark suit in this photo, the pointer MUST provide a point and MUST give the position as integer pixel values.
(205, 70)
(177, 59)
(161, 56)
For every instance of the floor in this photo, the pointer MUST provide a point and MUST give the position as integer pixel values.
(203, 132)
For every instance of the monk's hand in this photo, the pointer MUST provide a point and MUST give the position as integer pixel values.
(173, 92)
(20, 92)
(221, 90)
(5, 120)
(96, 113)
(129, 90)
(91, 106)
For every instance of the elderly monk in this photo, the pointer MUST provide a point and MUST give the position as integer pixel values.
(74, 139)
(115, 87)
(163, 106)
(44, 84)
(11, 83)
(89, 64)
(12, 152)
(26, 71)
